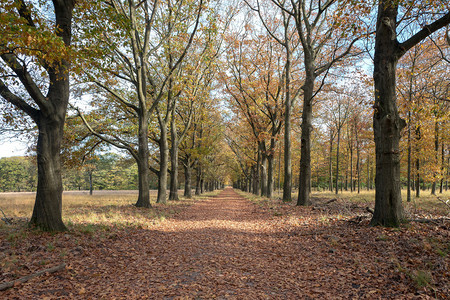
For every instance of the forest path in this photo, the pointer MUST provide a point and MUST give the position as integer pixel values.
(226, 247)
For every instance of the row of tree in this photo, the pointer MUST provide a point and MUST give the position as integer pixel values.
(179, 83)
(309, 50)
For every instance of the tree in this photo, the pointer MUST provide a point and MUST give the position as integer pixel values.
(35, 48)
(387, 123)
(317, 23)
(134, 75)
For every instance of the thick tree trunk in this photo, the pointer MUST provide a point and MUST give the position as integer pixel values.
(143, 165)
(47, 212)
(304, 184)
(386, 122)
(163, 164)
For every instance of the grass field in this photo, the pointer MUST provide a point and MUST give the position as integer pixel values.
(426, 205)
(103, 208)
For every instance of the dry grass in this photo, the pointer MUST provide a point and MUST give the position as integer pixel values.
(103, 209)
(426, 205)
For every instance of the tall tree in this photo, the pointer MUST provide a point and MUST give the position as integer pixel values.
(31, 43)
(134, 75)
(387, 123)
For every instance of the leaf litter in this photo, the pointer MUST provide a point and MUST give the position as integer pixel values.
(226, 247)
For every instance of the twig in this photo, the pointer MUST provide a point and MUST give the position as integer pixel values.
(10, 284)
(445, 202)
(369, 210)
(5, 219)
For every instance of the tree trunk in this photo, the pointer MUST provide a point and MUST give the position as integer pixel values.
(408, 175)
(47, 212)
(441, 186)
(417, 178)
(187, 178)
(304, 183)
(352, 188)
(142, 164)
(270, 168)
(263, 173)
(337, 156)
(330, 165)
(173, 193)
(287, 183)
(91, 187)
(386, 122)
(198, 181)
(163, 164)
(436, 151)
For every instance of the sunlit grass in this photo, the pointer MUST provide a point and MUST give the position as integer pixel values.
(426, 203)
(103, 209)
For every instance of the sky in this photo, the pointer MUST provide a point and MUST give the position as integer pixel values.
(12, 147)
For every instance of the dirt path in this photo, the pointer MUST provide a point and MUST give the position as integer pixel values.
(226, 248)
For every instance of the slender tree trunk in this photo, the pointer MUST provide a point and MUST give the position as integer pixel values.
(263, 172)
(436, 151)
(408, 175)
(352, 188)
(257, 186)
(441, 186)
(287, 183)
(305, 150)
(337, 157)
(270, 169)
(91, 186)
(187, 178)
(358, 168)
(417, 178)
(198, 181)
(173, 193)
(386, 122)
(163, 164)
(330, 166)
(368, 172)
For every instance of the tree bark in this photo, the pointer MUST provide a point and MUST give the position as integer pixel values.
(187, 178)
(142, 163)
(163, 163)
(287, 183)
(47, 212)
(270, 168)
(304, 184)
(386, 122)
(173, 193)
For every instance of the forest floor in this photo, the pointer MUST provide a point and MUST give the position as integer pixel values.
(234, 246)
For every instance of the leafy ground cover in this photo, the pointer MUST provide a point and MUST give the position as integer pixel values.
(232, 246)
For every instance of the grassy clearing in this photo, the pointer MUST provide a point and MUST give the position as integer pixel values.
(426, 204)
(86, 213)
